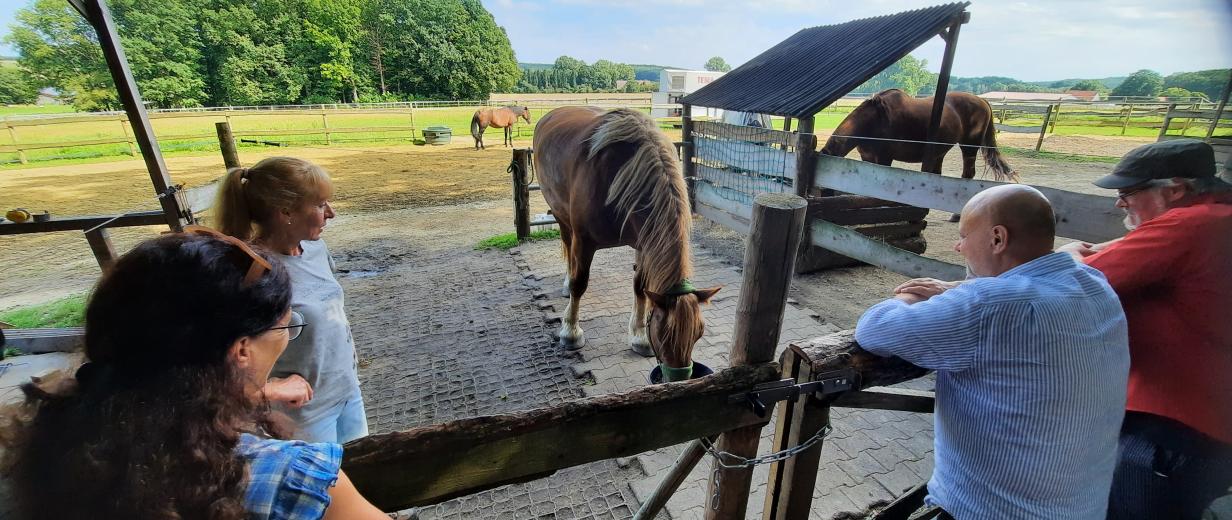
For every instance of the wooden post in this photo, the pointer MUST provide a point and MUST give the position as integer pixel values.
(769, 260)
(325, 124)
(1056, 116)
(1128, 113)
(943, 77)
(786, 124)
(21, 154)
(521, 194)
(688, 459)
(790, 491)
(99, 15)
(226, 143)
(412, 122)
(100, 244)
(686, 129)
(1044, 128)
(132, 150)
(1163, 130)
(806, 157)
(1223, 102)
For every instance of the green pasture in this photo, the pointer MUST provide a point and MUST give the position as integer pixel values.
(65, 312)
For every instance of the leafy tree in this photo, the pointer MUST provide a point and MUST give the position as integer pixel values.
(60, 50)
(1142, 83)
(908, 74)
(1208, 82)
(1178, 93)
(1089, 84)
(717, 64)
(15, 89)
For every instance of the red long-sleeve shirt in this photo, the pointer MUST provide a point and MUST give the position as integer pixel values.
(1174, 277)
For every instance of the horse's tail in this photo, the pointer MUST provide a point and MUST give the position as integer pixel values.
(1001, 170)
(648, 181)
(475, 125)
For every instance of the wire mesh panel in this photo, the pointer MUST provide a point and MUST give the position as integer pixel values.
(739, 162)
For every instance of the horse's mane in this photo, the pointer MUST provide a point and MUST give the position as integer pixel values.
(517, 111)
(649, 183)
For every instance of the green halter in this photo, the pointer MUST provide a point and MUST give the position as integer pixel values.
(684, 287)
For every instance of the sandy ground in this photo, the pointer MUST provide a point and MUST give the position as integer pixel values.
(375, 186)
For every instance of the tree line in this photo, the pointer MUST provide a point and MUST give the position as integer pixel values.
(187, 53)
(568, 74)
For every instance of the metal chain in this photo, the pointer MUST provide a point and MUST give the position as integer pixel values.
(739, 462)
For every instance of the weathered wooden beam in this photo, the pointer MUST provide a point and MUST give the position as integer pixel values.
(887, 214)
(684, 465)
(852, 244)
(142, 218)
(943, 79)
(1081, 216)
(769, 258)
(790, 488)
(434, 463)
(839, 350)
(226, 143)
(1223, 102)
(521, 195)
(1039, 143)
(786, 413)
(100, 244)
(722, 206)
(899, 399)
(688, 133)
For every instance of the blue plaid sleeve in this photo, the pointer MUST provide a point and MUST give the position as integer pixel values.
(288, 480)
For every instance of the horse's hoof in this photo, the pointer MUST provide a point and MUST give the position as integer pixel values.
(572, 344)
(642, 348)
(955, 217)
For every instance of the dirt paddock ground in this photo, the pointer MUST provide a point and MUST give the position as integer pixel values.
(374, 184)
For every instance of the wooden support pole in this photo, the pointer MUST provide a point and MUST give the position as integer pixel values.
(226, 143)
(686, 123)
(1056, 117)
(786, 124)
(21, 154)
(98, 15)
(1044, 128)
(943, 78)
(521, 193)
(1163, 130)
(806, 157)
(688, 459)
(1129, 112)
(132, 150)
(100, 244)
(325, 125)
(775, 231)
(1223, 102)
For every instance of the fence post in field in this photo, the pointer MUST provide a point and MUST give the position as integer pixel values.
(132, 150)
(1163, 130)
(1044, 127)
(325, 124)
(521, 192)
(769, 261)
(412, 122)
(1056, 117)
(1223, 102)
(226, 143)
(21, 154)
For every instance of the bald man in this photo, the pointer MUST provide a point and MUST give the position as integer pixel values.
(1031, 357)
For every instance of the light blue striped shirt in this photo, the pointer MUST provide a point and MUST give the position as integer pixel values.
(1031, 376)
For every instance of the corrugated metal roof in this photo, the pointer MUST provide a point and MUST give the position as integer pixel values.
(814, 67)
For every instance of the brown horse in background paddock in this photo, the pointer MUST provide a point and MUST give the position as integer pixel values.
(892, 114)
(613, 179)
(503, 117)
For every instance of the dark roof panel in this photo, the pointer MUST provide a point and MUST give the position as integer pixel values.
(817, 66)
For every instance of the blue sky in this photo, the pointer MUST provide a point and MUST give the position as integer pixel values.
(1030, 40)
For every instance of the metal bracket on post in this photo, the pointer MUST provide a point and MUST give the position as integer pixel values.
(784, 389)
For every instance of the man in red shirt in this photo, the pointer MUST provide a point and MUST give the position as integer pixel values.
(1173, 273)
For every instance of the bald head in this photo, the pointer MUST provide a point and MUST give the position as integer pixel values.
(1005, 226)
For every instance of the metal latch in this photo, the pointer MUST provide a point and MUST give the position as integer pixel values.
(784, 389)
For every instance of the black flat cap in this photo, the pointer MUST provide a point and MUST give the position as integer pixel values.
(1189, 158)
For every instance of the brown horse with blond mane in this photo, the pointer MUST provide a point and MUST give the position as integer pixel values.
(613, 179)
(503, 117)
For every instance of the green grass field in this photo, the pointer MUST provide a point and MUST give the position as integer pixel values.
(193, 133)
(65, 312)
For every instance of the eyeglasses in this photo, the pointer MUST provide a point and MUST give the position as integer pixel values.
(256, 268)
(294, 328)
(1122, 195)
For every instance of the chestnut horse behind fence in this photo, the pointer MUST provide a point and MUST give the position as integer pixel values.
(503, 117)
(613, 179)
(890, 117)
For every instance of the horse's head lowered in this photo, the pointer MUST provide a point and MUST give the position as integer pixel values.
(867, 120)
(676, 322)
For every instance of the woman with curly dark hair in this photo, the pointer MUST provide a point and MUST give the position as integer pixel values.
(166, 419)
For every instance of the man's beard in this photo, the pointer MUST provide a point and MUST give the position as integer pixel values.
(1129, 222)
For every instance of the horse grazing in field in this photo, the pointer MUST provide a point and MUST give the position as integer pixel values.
(613, 179)
(503, 117)
(892, 114)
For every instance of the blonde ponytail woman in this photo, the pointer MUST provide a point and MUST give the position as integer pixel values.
(282, 204)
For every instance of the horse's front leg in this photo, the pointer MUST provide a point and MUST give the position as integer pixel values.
(638, 340)
(508, 136)
(580, 255)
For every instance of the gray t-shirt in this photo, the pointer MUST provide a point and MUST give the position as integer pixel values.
(324, 353)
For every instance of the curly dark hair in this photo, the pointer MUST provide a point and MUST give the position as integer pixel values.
(147, 428)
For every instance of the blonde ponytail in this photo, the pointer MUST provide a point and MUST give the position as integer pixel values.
(250, 197)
